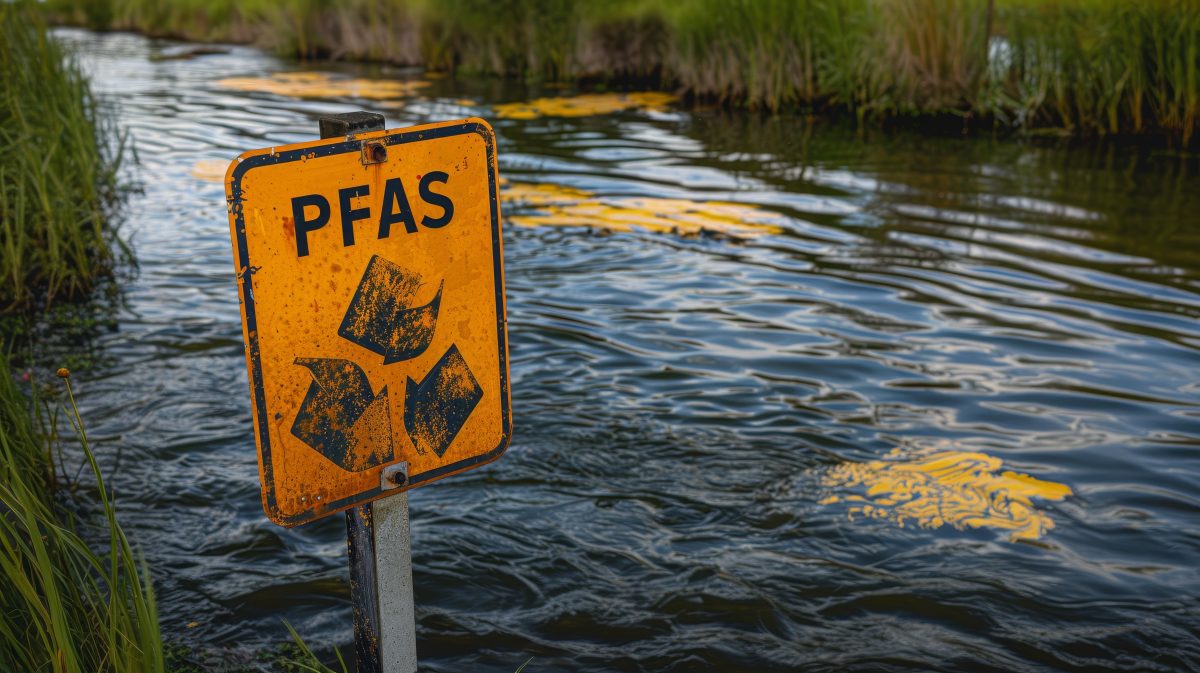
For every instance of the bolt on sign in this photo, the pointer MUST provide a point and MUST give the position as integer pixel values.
(371, 279)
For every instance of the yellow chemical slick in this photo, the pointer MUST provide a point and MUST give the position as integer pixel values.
(324, 85)
(210, 170)
(561, 206)
(955, 488)
(585, 105)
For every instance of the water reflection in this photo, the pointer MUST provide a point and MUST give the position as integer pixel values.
(556, 206)
(678, 398)
(210, 170)
(324, 85)
(584, 105)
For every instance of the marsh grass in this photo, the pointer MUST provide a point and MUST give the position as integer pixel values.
(306, 661)
(757, 53)
(371, 30)
(58, 170)
(67, 607)
(1086, 67)
(1101, 66)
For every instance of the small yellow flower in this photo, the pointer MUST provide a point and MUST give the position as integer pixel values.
(64, 373)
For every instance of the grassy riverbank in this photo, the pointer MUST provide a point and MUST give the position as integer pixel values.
(67, 606)
(57, 173)
(1085, 67)
(76, 599)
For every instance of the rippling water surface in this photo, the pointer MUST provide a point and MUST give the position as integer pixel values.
(835, 403)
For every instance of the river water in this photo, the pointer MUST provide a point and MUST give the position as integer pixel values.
(905, 403)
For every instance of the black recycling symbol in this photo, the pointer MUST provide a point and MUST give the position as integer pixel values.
(436, 408)
(342, 419)
(382, 318)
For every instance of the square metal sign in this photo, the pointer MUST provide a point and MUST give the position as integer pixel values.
(371, 277)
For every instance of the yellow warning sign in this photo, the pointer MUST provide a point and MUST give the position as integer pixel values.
(370, 272)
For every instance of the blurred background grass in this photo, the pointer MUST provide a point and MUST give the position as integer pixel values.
(58, 180)
(1089, 67)
(75, 596)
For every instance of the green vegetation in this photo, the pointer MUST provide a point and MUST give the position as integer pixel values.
(1102, 66)
(58, 173)
(66, 607)
(1089, 67)
(69, 608)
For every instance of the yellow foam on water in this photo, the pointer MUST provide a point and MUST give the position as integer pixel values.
(569, 207)
(210, 170)
(324, 85)
(585, 105)
(540, 194)
(957, 488)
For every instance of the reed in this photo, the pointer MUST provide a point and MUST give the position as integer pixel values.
(67, 608)
(370, 30)
(1088, 67)
(1102, 66)
(506, 37)
(768, 52)
(58, 170)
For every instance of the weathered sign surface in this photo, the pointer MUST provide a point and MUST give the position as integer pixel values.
(371, 280)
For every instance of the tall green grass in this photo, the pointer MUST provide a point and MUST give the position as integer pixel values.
(58, 169)
(1102, 66)
(374, 30)
(507, 37)
(67, 608)
(1094, 67)
(769, 52)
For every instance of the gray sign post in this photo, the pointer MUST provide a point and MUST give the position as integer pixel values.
(378, 537)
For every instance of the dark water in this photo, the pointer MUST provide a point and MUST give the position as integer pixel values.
(680, 402)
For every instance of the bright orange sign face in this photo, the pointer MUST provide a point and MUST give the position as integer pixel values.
(371, 278)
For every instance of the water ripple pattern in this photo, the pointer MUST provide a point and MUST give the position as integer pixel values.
(680, 399)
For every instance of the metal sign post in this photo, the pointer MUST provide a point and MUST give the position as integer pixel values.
(381, 587)
(378, 537)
